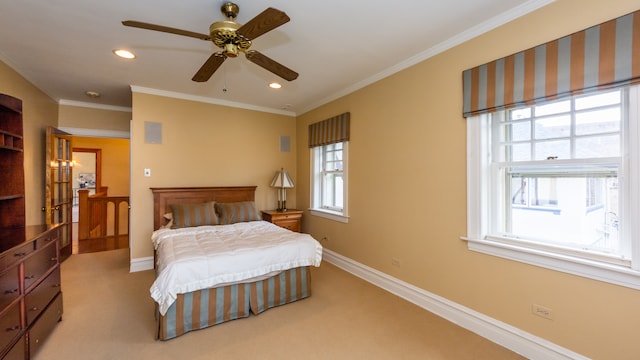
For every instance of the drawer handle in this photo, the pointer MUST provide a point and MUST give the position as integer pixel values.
(20, 254)
(13, 328)
(29, 277)
(48, 239)
(54, 259)
(35, 308)
(11, 291)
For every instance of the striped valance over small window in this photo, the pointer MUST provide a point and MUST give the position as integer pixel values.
(600, 57)
(330, 131)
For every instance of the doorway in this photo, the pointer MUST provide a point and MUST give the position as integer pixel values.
(86, 174)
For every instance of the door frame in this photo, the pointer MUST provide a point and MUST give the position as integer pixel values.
(98, 153)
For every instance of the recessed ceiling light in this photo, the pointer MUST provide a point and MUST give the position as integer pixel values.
(125, 54)
(275, 85)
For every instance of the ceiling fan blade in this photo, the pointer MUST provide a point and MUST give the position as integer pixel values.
(271, 65)
(209, 67)
(166, 29)
(264, 22)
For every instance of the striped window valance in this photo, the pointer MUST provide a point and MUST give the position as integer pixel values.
(600, 57)
(333, 130)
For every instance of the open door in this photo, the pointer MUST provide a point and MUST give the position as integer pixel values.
(58, 191)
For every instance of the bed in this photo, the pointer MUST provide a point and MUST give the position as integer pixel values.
(216, 260)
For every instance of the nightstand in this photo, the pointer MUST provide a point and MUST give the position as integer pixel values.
(290, 219)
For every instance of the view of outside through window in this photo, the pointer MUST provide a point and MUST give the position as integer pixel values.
(332, 179)
(557, 165)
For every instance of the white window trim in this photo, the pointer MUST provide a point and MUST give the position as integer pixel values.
(478, 212)
(324, 213)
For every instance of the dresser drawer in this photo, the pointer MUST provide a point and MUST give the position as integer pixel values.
(16, 255)
(47, 238)
(37, 265)
(9, 286)
(18, 351)
(41, 295)
(290, 219)
(293, 225)
(45, 324)
(10, 325)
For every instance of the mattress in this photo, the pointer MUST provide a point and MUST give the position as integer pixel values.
(196, 258)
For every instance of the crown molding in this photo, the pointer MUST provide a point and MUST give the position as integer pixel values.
(208, 100)
(93, 105)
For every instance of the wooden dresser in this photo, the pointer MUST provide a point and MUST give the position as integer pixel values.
(290, 219)
(30, 293)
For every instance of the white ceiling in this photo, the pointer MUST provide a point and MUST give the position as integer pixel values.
(64, 47)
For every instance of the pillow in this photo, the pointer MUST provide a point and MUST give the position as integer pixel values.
(168, 219)
(231, 213)
(189, 215)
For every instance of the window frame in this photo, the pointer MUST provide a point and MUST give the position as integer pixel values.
(316, 184)
(480, 213)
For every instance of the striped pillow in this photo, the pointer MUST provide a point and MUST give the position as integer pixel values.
(189, 215)
(241, 211)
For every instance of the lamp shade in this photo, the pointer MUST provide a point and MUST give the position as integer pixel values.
(282, 180)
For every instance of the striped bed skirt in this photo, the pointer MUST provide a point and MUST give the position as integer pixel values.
(204, 308)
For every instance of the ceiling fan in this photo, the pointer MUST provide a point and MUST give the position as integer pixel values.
(232, 38)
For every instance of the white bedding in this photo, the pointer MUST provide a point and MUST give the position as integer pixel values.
(196, 258)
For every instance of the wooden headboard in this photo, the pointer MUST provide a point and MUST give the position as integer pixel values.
(164, 197)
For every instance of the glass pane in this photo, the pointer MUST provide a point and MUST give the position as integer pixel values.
(517, 131)
(598, 146)
(553, 127)
(65, 237)
(560, 149)
(598, 121)
(332, 196)
(534, 192)
(591, 101)
(578, 212)
(520, 114)
(553, 108)
(515, 152)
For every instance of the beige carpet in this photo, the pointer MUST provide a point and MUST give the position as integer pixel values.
(108, 314)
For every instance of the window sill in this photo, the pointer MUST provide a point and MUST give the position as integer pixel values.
(614, 274)
(331, 215)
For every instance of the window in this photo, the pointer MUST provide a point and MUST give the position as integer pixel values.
(556, 185)
(329, 181)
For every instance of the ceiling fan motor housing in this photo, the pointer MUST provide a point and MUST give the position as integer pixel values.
(223, 34)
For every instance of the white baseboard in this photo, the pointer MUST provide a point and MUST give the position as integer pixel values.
(519, 341)
(141, 264)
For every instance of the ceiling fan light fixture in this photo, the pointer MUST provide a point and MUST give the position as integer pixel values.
(275, 85)
(125, 54)
(231, 50)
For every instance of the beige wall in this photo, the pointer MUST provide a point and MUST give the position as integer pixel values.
(115, 161)
(94, 118)
(407, 194)
(203, 145)
(38, 112)
(407, 181)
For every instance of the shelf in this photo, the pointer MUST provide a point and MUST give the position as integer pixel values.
(11, 197)
(10, 141)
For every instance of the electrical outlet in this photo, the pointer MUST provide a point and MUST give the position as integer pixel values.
(395, 262)
(542, 311)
